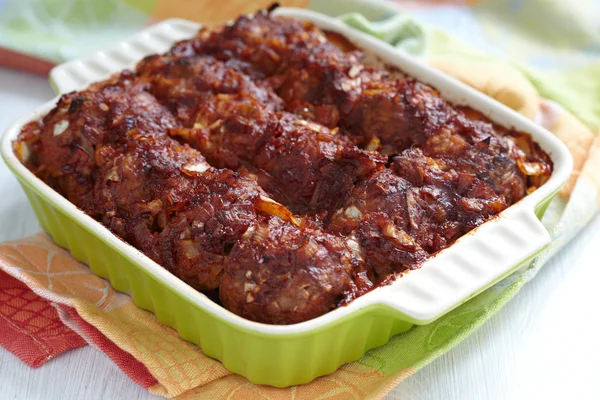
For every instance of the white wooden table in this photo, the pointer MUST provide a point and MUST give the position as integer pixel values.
(543, 344)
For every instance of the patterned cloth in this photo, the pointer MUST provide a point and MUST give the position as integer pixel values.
(29, 325)
(50, 303)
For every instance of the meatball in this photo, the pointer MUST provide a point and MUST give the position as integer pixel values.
(283, 274)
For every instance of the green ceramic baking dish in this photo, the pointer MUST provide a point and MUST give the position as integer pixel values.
(295, 354)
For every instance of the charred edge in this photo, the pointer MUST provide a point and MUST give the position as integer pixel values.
(273, 7)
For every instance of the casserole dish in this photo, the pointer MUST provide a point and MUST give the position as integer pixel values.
(293, 354)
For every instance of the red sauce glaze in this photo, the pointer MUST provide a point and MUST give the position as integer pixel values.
(269, 161)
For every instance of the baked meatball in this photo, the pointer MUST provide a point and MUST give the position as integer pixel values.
(282, 274)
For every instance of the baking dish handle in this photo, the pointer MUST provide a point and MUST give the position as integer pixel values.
(78, 74)
(472, 264)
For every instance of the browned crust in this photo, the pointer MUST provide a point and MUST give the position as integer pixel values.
(307, 177)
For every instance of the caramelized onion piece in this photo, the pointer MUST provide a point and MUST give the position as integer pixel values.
(532, 168)
(271, 207)
(194, 169)
(374, 144)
